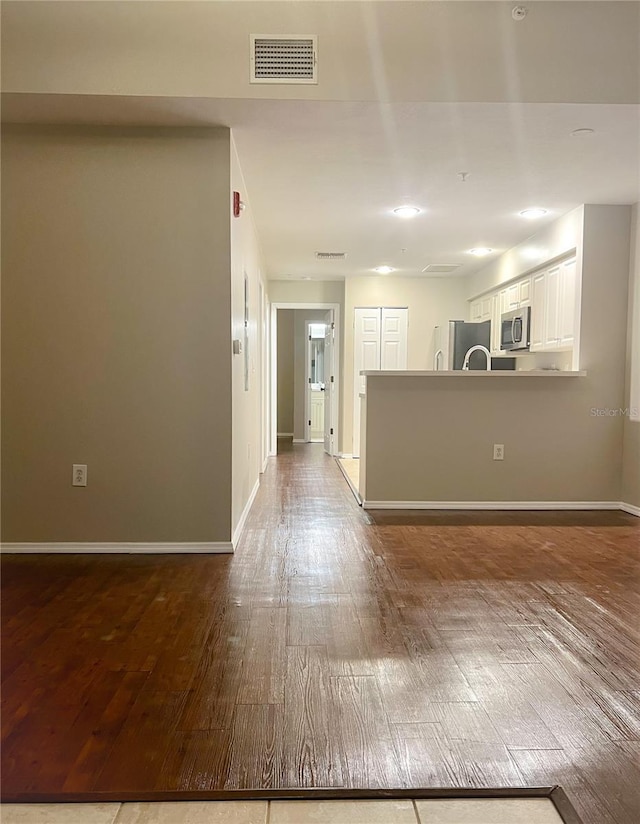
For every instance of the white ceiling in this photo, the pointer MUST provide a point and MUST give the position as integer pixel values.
(324, 172)
(326, 176)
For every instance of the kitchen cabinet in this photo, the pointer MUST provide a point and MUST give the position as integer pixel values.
(511, 297)
(525, 293)
(568, 309)
(516, 295)
(551, 293)
(481, 309)
(496, 312)
(536, 331)
(553, 308)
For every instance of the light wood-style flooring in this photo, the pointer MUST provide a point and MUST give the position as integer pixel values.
(336, 648)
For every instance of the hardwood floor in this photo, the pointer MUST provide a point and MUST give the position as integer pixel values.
(337, 648)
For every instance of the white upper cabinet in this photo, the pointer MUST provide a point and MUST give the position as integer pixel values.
(538, 291)
(516, 295)
(481, 309)
(552, 292)
(486, 304)
(567, 309)
(511, 297)
(496, 311)
(553, 308)
(552, 296)
(476, 311)
(525, 293)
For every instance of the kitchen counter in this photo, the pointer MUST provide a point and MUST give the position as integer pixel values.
(428, 440)
(458, 373)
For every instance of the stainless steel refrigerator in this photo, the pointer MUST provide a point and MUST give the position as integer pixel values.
(453, 341)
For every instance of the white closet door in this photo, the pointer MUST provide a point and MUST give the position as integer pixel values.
(393, 353)
(366, 351)
(380, 342)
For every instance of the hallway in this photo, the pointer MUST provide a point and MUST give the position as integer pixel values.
(336, 648)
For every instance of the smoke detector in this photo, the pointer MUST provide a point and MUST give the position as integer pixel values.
(519, 12)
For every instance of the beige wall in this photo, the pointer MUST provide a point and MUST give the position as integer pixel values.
(603, 322)
(307, 291)
(247, 423)
(554, 241)
(286, 372)
(431, 302)
(430, 51)
(631, 450)
(116, 335)
(431, 439)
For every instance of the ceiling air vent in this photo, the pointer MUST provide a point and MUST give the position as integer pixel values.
(331, 255)
(277, 58)
(440, 268)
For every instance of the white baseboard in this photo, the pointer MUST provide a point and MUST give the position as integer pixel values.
(300, 440)
(237, 533)
(265, 464)
(345, 455)
(492, 505)
(631, 509)
(285, 434)
(133, 548)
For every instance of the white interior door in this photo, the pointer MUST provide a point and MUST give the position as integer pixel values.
(366, 349)
(393, 344)
(329, 383)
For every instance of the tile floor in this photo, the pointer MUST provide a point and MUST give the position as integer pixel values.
(399, 811)
(351, 469)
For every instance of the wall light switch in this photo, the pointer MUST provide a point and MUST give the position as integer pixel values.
(498, 452)
(79, 477)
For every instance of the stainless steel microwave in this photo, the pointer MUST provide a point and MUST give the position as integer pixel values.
(515, 328)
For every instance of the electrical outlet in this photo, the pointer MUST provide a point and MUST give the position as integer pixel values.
(79, 477)
(498, 452)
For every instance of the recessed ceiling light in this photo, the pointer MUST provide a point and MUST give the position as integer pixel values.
(582, 132)
(533, 213)
(406, 211)
(384, 270)
(480, 251)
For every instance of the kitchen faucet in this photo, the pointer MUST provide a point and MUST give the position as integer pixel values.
(473, 349)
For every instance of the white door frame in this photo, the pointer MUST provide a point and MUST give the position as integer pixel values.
(273, 427)
(263, 321)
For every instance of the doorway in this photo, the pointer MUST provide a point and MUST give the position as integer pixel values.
(317, 380)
